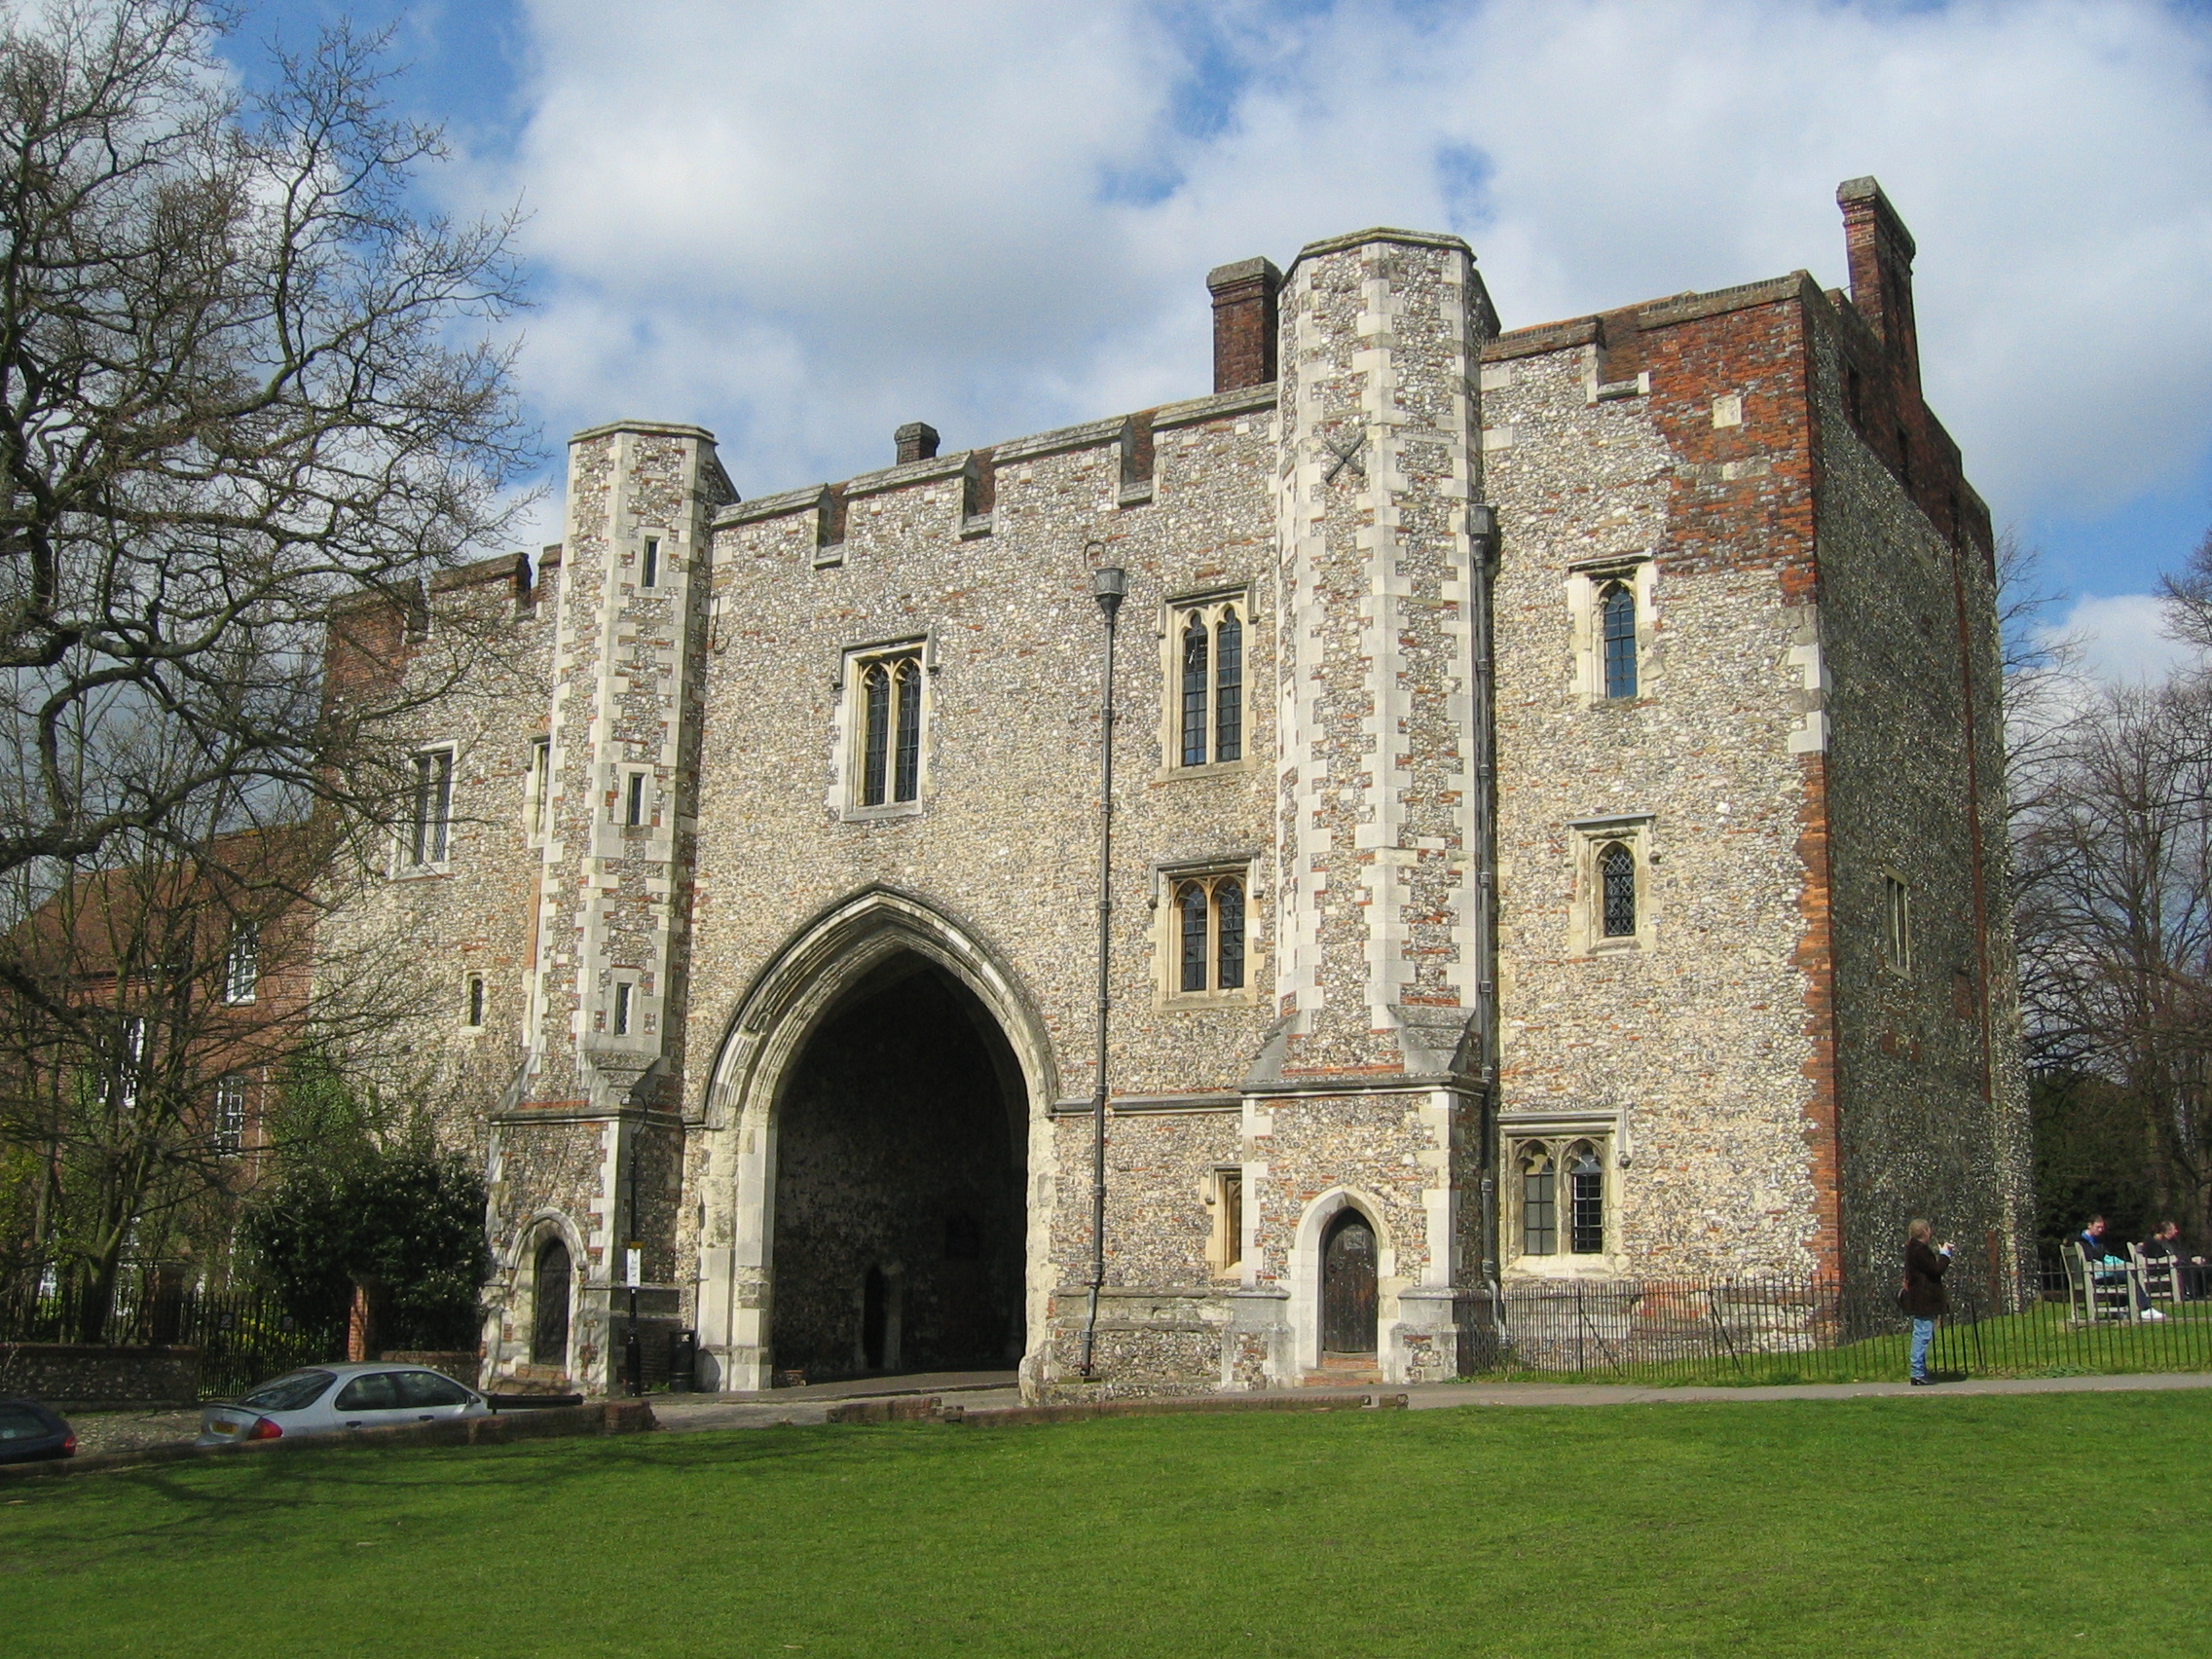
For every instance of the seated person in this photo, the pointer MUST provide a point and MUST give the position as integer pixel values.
(2164, 1244)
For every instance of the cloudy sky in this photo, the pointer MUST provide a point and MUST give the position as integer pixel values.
(801, 225)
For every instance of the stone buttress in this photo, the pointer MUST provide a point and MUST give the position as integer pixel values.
(589, 1132)
(1370, 1090)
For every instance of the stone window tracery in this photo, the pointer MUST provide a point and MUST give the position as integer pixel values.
(1205, 939)
(888, 725)
(1207, 663)
(1611, 909)
(1560, 1199)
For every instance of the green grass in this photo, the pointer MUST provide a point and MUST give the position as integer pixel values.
(1953, 1527)
(2040, 1341)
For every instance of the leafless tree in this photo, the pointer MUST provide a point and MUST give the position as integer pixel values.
(241, 374)
(2116, 926)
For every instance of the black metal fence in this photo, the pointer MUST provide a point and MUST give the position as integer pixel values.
(1817, 1330)
(243, 1336)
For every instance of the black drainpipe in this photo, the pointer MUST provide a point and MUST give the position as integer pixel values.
(1108, 584)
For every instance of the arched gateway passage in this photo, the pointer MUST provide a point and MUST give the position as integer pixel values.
(901, 1157)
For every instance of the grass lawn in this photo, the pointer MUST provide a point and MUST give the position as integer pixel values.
(1951, 1527)
(2040, 1341)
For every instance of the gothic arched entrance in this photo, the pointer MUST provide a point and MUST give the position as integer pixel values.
(900, 1155)
(870, 1127)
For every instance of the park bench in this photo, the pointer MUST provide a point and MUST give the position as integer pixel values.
(2095, 1291)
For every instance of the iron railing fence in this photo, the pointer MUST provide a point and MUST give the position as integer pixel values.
(1817, 1329)
(243, 1336)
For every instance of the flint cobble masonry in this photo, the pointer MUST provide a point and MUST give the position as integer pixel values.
(1424, 526)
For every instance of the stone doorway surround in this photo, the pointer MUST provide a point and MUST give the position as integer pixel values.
(802, 985)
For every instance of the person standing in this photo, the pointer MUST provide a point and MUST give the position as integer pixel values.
(1924, 1299)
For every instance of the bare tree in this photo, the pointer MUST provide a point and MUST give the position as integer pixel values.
(237, 380)
(2116, 926)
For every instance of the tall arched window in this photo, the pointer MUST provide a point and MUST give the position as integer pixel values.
(877, 697)
(549, 1313)
(890, 718)
(1539, 1201)
(1207, 661)
(906, 769)
(1228, 934)
(1195, 691)
(1586, 1200)
(1616, 880)
(1617, 614)
(1228, 687)
(1191, 903)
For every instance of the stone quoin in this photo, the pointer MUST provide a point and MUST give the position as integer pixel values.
(1558, 821)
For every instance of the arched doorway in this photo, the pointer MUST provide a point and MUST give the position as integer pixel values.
(550, 1306)
(1347, 1285)
(901, 1154)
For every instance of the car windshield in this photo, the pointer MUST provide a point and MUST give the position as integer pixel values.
(20, 1422)
(289, 1393)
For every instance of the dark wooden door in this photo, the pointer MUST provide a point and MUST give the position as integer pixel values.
(549, 1326)
(1347, 1285)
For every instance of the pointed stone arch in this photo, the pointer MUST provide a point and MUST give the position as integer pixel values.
(802, 984)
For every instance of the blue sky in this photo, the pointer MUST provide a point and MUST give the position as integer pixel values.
(801, 226)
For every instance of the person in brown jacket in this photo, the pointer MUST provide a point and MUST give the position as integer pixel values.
(1922, 1297)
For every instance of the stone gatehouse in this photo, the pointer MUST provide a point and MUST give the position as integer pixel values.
(1557, 831)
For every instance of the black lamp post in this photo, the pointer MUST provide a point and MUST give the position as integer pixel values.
(1109, 585)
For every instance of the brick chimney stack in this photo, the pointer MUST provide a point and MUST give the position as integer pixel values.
(1881, 251)
(1243, 323)
(916, 441)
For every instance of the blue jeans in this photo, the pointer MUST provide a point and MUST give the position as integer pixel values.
(1923, 1333)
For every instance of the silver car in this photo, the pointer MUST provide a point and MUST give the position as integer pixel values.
(330, 1399)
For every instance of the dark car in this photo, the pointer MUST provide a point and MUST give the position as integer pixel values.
(28, 1431)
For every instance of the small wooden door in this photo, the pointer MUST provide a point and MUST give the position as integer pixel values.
(549, 1325)
(1347, 1285)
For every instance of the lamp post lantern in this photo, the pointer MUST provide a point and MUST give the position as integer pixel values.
(1109, 585)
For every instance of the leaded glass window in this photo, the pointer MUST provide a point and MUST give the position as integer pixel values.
(1191, 903)
(1617, 608)
(1206, 662)
(1207, 934)
(1586, 1201)
(1616, 878)
(1195, 691)
(891, 729)
(1228, 934)
(875, 685)
(907, 771)
(1228, 687)
(1539, 1201)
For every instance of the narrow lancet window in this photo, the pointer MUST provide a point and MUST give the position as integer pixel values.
(1228, 945)
(1586, 1201)
(1229, 689)
(1195, 693)
(876, 698)
(1619, 612)
(1191, 900)
(1616, 876)
(905, 781)
(1539, 1203)
(433, 806)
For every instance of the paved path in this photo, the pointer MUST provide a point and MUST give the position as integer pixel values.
(680, 1414)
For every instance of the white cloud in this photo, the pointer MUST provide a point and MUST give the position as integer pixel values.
(2122, 639)
(804, 224)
